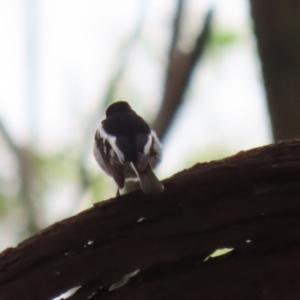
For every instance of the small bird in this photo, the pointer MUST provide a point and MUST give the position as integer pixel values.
(127, 149)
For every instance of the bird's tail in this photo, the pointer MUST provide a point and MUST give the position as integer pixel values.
(149, 182)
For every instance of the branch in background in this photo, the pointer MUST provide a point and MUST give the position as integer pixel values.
(176, 27)
(179, 71)
(22, 159)
(112, 87)
(277, 30)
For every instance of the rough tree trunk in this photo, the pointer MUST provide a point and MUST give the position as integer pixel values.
(156, 247)
(277, 28)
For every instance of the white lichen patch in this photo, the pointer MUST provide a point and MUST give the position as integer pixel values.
(123, 281)
(140, 220)
(68, 293)
(89, 243)
(218, 252)
(91, 295)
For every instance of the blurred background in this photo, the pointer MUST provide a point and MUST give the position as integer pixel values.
(193, 69)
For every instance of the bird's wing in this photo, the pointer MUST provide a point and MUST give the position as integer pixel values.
(108, 160)
(118, 174)
(101, 153)
(149, 149)
(155, 150)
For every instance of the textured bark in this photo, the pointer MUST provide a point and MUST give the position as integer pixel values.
(155, 247)
(277, 28)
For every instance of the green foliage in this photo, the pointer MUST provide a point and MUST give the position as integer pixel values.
(6, 202)
(97, 187)
(224, 38)
(221, 39)
(61, 169)
(60, 166)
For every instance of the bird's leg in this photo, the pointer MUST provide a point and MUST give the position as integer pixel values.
(118, 192)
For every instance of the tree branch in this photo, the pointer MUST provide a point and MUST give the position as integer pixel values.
(277, 28)
(177, 24)
(158, 247)
(179, 71)
(24, 165)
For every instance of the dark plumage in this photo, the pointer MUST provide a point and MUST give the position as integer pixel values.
(127, 149)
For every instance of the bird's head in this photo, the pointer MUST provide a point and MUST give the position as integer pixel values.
(118, 107)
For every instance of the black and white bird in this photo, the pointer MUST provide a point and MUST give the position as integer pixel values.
(127, 149)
